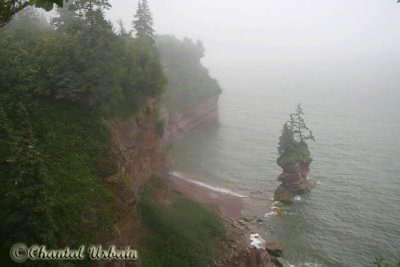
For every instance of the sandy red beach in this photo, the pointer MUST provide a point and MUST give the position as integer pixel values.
(228, 205)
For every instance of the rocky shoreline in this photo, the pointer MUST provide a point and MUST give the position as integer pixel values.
(138, 136)
(244, 247)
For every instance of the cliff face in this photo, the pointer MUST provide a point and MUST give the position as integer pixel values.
(203, 114)
(294, 180)
(139, 146)
(139, 143)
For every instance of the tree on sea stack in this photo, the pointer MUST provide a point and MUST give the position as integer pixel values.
(292, 146)
(294, 157)
(298, 126)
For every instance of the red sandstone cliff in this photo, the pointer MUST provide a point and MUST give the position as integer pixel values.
(139, 143)
(139, 146)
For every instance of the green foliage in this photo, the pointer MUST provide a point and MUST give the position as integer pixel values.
(379, 262)
(127, 179)
(24, 202)
(286, 140)
(7, 149)
(83, 63)
(9, 8)
(180, 234)
(292, 147)
(300, 153)
(298, 126)
(189, 83)
(53, 161)
(143, 22)
(61, 175)
(142, 74)
(90, 10)
(74, 148)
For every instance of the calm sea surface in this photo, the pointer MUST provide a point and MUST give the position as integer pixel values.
(353, 214)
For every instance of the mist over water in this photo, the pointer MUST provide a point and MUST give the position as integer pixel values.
(340, 60)
(352, 215)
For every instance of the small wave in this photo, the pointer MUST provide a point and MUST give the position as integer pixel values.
(177, 174)
(272, 213)
(297, 198)
(311, 264)
(276, 211)
(213, 188)
(257, 241)
(306, 264)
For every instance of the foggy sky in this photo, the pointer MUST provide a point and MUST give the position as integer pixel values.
(305, 43)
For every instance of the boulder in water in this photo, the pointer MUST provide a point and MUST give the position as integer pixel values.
(274, 249)
(284, 195)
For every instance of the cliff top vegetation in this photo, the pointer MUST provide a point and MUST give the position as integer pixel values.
(59, 82)
(189, 82)
(292, 146)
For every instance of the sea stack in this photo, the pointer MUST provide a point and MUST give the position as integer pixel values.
(294, 181)
(294, 158)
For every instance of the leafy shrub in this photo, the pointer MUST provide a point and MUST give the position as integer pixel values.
(75, 148)
(379, 262)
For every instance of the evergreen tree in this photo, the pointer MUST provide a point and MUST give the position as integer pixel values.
(7, 145)
(7, 149)
(292, 146)
(143, 22)
(90, 10)
(87, 59)
(25, 203)
(8, 8)
(65, 16)
(286, 140)
(299, 127)
(6, 142)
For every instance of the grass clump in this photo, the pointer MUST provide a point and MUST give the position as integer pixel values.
(180, 234)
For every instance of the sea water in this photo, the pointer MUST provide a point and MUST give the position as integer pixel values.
(353, 213)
